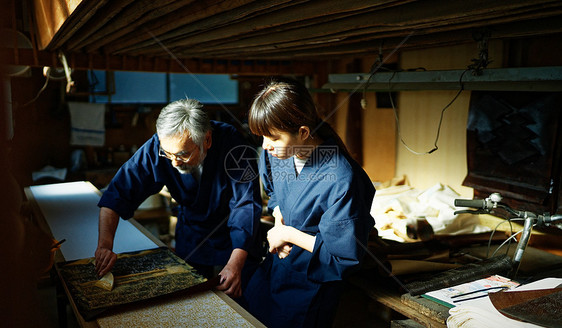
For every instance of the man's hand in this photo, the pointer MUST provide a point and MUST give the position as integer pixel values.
(105, 259)
(231, 275)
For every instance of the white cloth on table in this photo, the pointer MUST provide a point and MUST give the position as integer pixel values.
(394, 207)
(481, 313)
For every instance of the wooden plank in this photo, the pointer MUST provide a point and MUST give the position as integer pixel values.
(274, 20)
(370, 45)
(50, 16)
(191, 16)
(264, 23)
(128, 19)
(409, 323)
(385, 295)
(386, 20)
(64, 21)
(99, 19)
(253, 29)
(427, 307)
(142, 64)
(353, 30)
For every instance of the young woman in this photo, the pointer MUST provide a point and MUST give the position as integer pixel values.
(320, 199)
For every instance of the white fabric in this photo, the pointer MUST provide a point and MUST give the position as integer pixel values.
(394, 207)
(299, 163)
(87, 124)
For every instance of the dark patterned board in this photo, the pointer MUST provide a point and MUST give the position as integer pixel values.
(137, 276)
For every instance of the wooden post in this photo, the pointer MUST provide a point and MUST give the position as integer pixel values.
(354, 129)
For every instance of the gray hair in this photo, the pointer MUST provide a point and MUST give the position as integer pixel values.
(181, 117)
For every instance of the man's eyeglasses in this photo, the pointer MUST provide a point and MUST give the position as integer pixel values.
(182, 156)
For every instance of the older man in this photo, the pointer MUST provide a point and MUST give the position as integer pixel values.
(211, 173)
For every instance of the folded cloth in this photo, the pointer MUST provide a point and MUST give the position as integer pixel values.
(87, 124)
(395, 207)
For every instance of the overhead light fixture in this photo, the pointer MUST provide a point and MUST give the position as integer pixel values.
(12, 39)
(491, 79)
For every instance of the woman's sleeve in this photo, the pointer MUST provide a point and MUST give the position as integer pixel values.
(343, 234)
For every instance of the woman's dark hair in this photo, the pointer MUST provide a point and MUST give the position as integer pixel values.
(285, 105)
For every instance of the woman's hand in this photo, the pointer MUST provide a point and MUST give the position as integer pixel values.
(278, 216)
(283, 251)
(276, 237)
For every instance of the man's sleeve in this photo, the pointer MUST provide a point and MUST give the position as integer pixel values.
(132, 184)
(245, 205)
(267, 180)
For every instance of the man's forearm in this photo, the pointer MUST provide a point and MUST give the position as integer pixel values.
(108, 222)
(238, 258)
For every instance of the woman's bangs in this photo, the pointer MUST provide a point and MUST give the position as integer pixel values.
(259, 122)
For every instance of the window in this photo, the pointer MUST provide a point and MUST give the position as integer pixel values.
(207, 88)
(154, 88)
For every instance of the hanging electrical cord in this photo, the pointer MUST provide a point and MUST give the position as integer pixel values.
(47, 75)
(374, 68)
(435, 147)
(378, 64)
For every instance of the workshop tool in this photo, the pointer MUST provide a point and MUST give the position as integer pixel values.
(542, 307)
(137, 276)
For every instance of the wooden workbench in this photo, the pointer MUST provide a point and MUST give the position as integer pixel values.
(421, 312)
(69, 211)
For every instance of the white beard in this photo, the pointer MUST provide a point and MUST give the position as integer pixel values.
(185, 169)
(188, 169)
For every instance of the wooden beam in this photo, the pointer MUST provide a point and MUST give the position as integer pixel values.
(357, 27)
(133, 17)
(369, 44)
(194, 15)
(50, 16)
(153, 64)
(273, 20)
(492, 79)
(56, 20)
(390, 20)
(99, 19)
(263, 23)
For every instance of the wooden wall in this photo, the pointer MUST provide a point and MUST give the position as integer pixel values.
(419, 113)
(378, 129)
(384, 155)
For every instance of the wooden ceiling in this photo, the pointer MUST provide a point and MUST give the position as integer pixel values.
(275, 30)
